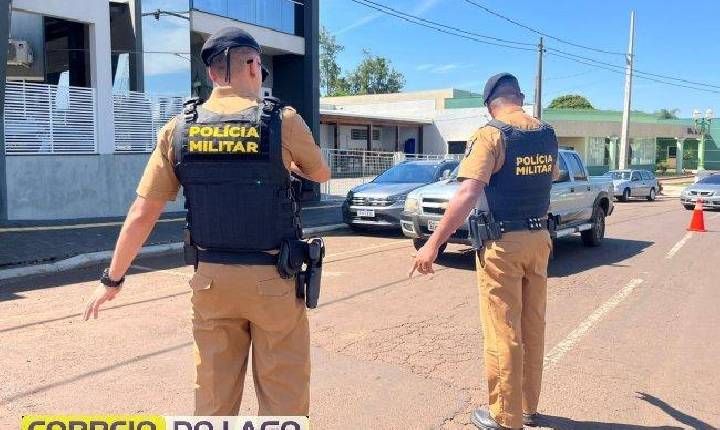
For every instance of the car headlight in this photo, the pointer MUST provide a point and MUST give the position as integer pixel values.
(411, 204)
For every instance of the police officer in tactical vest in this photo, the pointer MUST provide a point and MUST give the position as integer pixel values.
(506, 180)
(253, 278)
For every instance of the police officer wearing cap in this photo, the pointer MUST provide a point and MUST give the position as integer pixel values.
(506, 180)
(233, 155)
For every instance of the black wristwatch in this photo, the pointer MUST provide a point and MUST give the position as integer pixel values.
(105, 280)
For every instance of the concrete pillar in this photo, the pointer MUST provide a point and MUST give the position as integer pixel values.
(613, 152)
(4, 35)
(101, 78)
(679, 143)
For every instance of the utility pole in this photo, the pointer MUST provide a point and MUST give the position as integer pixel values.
(538, 82)
(625, 135)
(5, 10)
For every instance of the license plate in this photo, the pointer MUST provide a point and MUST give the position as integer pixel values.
(432, 225)
(366, 213)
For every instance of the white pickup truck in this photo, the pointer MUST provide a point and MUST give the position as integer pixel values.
(578, 204)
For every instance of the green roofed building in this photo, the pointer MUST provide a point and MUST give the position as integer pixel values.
(655, 144)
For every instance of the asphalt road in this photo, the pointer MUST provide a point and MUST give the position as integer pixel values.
(632, 335)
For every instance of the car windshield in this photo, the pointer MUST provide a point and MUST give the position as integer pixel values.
(710, 180)
(618, 175)
(421, 173)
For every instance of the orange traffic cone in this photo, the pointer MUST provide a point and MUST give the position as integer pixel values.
(697, 223)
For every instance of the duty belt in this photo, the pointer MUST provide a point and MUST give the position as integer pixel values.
(246, 257)
(522, 225)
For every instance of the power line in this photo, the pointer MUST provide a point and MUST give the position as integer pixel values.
(637, 76)
(410, 18)
(458, 32)
(555, 38)
(484, 36)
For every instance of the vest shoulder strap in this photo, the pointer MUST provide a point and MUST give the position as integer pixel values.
(502, 126)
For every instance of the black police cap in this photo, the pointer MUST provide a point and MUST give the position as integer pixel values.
(228, 37)
(495, 81)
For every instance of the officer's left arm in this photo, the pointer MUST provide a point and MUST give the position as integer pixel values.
(457, 212)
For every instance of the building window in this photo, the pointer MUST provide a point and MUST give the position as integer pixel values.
(597, 152)
(361, 134)
(642, 151)
(275, 14)
(457, 147)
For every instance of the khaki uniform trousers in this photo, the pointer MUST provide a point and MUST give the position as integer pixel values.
(234, 307)
(512, 278)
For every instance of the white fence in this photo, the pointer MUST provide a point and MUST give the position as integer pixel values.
(139, 116)
(49, 119)
(351, 168)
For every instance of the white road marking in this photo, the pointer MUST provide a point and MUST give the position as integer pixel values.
(678, 245)
(586, 326)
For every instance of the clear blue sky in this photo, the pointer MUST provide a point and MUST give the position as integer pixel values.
(672, 38)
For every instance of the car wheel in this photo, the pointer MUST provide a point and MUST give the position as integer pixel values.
(625, 195)
(689, 207)
(596, 234)
(652, 195)
(419, 243)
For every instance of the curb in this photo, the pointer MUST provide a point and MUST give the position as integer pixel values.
(90, 258)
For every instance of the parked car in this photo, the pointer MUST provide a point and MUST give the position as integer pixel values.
(578, 203)
(380, 203)
(706, 189)
(633, 183)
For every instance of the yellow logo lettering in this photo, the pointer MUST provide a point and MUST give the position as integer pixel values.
(195, 146)
(238, 147)
(194, 131)
(206, 131)
(252, 132)
(234, 131)
(252, 147)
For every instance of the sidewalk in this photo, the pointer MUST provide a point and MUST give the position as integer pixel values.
(26, 243)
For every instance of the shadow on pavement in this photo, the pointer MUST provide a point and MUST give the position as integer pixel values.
(562, 423)
(679, 416)
(570, 256)
(11, 289)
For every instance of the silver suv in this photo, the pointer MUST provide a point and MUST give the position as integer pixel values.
(379, 203)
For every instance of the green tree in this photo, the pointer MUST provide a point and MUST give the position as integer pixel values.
(667, 113)
(571, 101)
(374, 75)
(330, 79)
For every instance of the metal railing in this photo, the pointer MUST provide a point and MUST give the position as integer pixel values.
(138, 118)
(351, 168)
(49, 119)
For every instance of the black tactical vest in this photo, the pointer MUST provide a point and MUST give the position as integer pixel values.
(238, 193)
(520, 190)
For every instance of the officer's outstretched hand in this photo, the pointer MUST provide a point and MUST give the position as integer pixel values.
(424, 259)
(101, 295)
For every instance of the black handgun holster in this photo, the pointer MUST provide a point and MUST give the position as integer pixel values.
(483, 227)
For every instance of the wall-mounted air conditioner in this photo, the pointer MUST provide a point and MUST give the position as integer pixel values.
(19, 53)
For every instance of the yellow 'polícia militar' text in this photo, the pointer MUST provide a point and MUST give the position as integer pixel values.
(534, 165)
(245, 142)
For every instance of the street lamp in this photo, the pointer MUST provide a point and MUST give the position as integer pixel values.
(704, 125)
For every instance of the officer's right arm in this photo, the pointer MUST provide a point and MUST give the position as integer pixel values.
(307, 160)
(158, 185)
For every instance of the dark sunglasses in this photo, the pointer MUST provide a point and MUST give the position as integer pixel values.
(264, 71)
